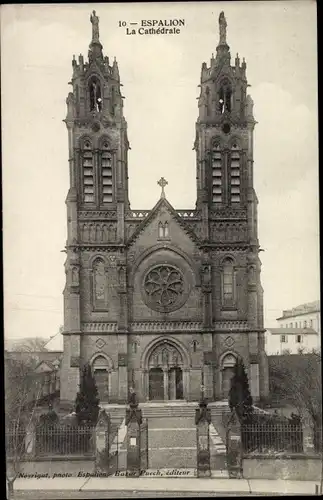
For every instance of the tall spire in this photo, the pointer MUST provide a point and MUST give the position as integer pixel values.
(95, 45)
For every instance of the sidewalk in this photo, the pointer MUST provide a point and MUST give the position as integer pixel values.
(114, 487)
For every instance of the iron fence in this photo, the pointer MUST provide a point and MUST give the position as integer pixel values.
(275, 437)
(317, 440)
(15, 442)
(65, 440)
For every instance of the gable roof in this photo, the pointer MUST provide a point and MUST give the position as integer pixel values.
(307, 308)
(55, 343)
(292, 331)
(46, 364)
(163, 201)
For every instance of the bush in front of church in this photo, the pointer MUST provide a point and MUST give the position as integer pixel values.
(240, 398)
(87, 400)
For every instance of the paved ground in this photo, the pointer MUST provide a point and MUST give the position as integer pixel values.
(132, 487)
(56, 495)
(172, 443)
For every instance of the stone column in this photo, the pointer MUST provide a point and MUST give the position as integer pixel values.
(144, 389)
(254, 380)
(207, 366)
(172, 384)
(113, 386)
(186, 384)
(166, 384)
(123, 378)
(195, 378)
(208, 381)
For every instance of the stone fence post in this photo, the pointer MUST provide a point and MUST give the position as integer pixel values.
(101, 436)
(30, 439)
(308, 436)
(202, 422)
(234, 447)
(133, 423)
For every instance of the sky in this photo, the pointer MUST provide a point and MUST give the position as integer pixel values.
(160, 76)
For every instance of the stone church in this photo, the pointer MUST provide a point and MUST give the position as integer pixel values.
(161, 300)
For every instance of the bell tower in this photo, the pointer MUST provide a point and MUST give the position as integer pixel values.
(227, 202)
(98, 193)
(97, 131)
(224, 138)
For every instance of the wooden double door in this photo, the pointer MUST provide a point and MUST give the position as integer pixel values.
(165, 384)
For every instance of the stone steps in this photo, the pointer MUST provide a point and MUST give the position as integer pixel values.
(164, 410)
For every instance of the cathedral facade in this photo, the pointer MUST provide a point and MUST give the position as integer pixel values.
(161, 300)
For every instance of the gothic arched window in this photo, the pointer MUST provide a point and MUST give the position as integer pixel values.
(99, 283)
(106, 171)
(225, 97)
(95, 94)
(217, 174)
(228, 285)
(88, 172)
(163, 230)
(235, 174)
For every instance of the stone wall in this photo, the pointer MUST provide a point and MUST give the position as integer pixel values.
(292, 467)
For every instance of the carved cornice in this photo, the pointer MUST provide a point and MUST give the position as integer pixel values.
(228, 214)
(136, 214)
(165, 326)
(169, 326)
(97, 215)
(100, 327)
(220, 247)
(231, 325)
(104, 247)
(189, 214)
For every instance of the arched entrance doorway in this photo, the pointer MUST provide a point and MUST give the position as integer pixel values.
(227, 371)
(165, 373)
(100, 370)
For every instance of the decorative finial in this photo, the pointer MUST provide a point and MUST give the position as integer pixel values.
(95, 27)
(223, 29)
(162, 183)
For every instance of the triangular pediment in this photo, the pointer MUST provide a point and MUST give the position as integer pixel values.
(160, 208)
(43, 367)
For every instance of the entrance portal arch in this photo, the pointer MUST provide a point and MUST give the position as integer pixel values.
(227, 371)
(166, 365)
(101, 366)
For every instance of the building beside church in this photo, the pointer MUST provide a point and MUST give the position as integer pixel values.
(162, 300)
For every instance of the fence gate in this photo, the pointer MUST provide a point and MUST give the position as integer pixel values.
(144, 445)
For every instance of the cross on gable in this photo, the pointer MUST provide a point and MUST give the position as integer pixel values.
(162, 183)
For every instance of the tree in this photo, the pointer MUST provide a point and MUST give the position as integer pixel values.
(296, 379)
(87, 401)
(239, 396)
(30, 344)
(21, 397)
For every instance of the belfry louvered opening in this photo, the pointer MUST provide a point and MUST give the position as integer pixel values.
(107, 174)
(88, 173)
(235, 175)
(217, 175)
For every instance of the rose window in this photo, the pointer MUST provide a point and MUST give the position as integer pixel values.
(164, 286)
